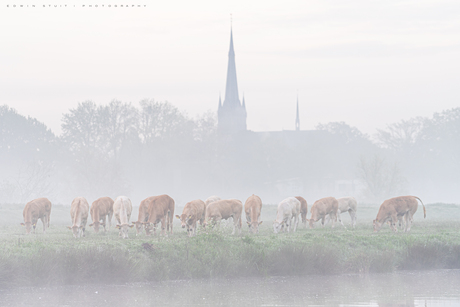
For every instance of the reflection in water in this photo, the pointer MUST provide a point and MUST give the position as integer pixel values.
(420, 288)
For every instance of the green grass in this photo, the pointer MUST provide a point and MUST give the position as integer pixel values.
(57, 258)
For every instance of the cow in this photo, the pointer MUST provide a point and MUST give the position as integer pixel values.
(224, 209)
(100, 209)
(303, 210)
(79, 210)
(211, 199)
(160, 208)
(396, 208)
(193, 211)
(122, 209)
(323, 207)
(39, 208)
(288, 209)
(346, 204)
(252, 208)
(143, 215)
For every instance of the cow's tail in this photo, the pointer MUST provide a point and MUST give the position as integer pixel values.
(424, 211)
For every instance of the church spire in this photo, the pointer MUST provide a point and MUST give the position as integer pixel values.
(231, 88)
(297, 118)
(231, 114)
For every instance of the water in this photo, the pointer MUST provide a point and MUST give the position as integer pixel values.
(416, 288)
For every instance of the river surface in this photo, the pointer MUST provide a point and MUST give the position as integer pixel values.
(407, 288)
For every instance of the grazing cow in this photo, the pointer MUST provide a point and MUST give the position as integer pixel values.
(252, 208)
(303, 210)
(323, 207)
(223, 210)
(211, 199)
(143, 215)
(122, 209)
(161, 208)
(100, 209)
(288, 209)
(346, 204)
(39, 208)
(193, 211)
(79, 214)
(396, 208)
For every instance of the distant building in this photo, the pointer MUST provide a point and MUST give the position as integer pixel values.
(231, 115)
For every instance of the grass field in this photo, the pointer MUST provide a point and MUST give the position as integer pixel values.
(58, 258)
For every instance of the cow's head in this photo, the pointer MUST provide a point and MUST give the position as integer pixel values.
(277, 226)
(28, 226)
(311, 223)
(185, 220)
(377, 225)
(76, 230)
(96, 225)
(139, 226)
(124, 230)
(254, 226)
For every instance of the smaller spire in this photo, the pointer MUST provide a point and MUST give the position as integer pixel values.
(220, 102)
(297, 118)
(244, 104)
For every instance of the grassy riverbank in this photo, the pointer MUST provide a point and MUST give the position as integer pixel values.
(58, 258)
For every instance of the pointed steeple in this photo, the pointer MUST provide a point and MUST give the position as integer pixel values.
(220, 102)
(297, 118)
(231, 88)
(231, 114)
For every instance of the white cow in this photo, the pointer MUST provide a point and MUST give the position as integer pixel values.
(288, 209)
(346, 204)
(122, 209)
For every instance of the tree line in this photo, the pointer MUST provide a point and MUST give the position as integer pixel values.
(153, 148)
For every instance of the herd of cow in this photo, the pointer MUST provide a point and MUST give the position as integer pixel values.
(156, 209)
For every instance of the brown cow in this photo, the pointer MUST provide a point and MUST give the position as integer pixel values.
(252, 208)
(100, 209)
(396, 208)
(211, 199)
(39, 208)
(303, 210)
(193, 211)
(323, 207)
(161, 208)
(79, 213)
(143, 215)
(224, 209)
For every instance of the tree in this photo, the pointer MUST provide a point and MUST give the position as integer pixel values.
(381, 179)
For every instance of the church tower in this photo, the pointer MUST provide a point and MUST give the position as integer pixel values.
(231, 115)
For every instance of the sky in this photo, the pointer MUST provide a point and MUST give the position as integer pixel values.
(367, 63)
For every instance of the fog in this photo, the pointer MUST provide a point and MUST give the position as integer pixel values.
(151, 148)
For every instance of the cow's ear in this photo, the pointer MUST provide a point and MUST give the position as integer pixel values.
(23, 224)
(133, 223)
(260, 222)
(91, 225)
(249, 224)
(189, 216)
(178, 216)
(130, 226)
(118, 226)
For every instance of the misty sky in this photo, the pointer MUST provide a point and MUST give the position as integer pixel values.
(368, 63)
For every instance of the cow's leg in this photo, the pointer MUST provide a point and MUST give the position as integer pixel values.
(48, 218)
(109, 219)
(322, 220)
(334, 219)
(296, 220)
(171, 220)
(339, 213)
(43, 219)
(353, 217)
(393, 221)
